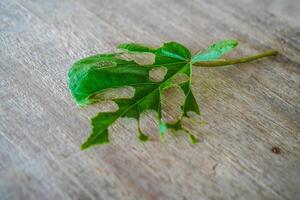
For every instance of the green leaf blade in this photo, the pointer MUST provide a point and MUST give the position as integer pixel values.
(134, 47)
(215, 51)
(191, 104)
(170, 52)
(102, 139)
(85, 79)
(99, 134)
(174, 50)
(93, 75)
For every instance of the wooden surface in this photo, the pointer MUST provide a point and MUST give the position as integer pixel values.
(249, 108)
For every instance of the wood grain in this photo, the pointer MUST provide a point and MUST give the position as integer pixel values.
(249, 108)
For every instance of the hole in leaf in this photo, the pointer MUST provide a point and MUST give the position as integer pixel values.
(180, 78)
(157, 74)
(125, 92)
(149, 124)
(103, 106)
(104, 64)
(172, 100)
(139, 58)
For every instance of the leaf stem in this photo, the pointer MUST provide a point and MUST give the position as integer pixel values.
(235, 61)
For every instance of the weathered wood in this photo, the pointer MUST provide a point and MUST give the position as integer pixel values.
(249, 108)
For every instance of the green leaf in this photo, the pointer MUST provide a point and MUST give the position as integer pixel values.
(170, 52)
(94, 75)
(191, 104)
(174, 50)
(215, 51)
(193, 139)
(91, 77)
(133, 47)
(177, 126)
(143, 137)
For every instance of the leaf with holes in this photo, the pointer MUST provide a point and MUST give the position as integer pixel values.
(90, 77)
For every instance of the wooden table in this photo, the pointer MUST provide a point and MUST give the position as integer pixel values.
(250, 108)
